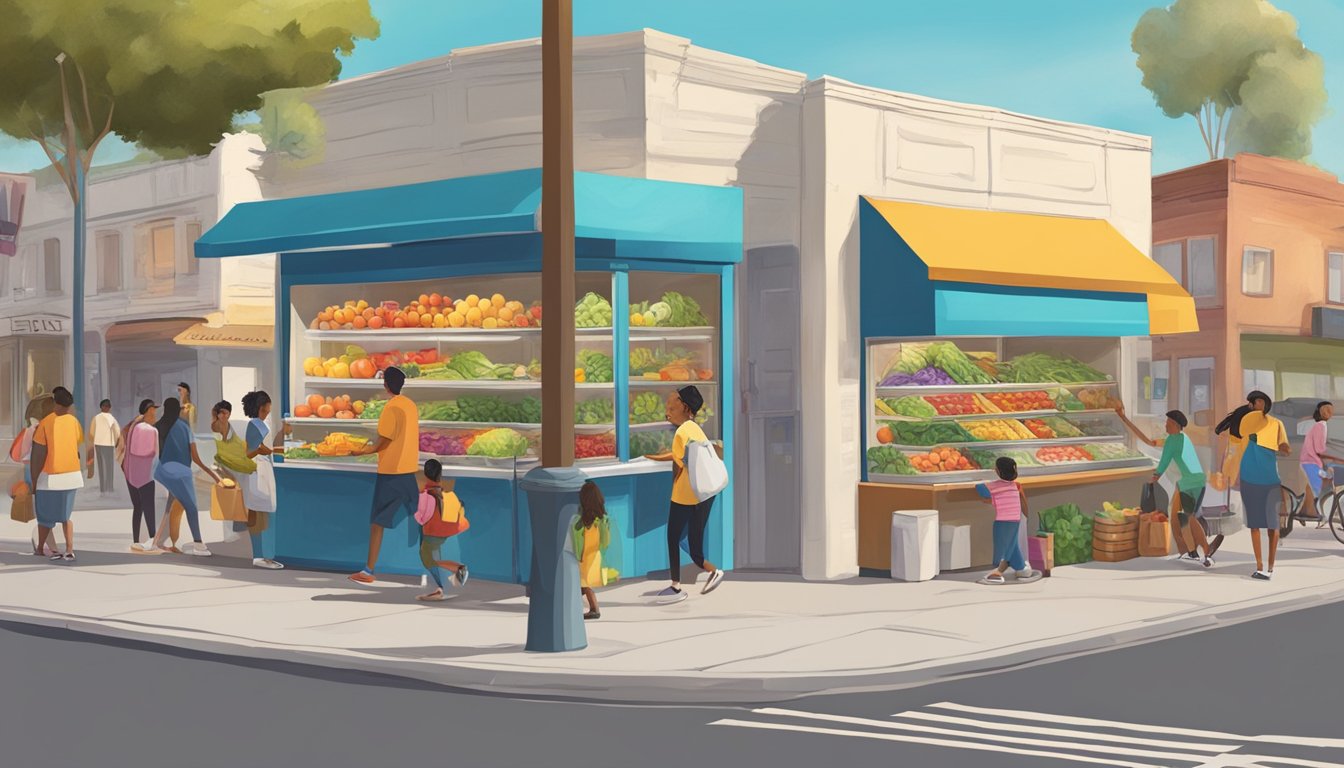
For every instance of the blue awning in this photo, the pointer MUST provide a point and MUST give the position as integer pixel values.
(664, 220)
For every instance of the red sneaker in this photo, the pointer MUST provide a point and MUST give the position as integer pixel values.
(363, 577)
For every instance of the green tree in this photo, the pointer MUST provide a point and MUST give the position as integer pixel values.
(290, 127)
(1239, 68)
(167, 75)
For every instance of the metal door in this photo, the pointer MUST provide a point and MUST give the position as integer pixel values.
(769, 533)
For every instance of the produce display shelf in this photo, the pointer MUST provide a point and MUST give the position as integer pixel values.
(661, 383)
(652, 426)
(1038, 443)
(980, 475)
(1019, 415)
(487, 384)
(666, 333)
(434, 335)
(518, 426)
(958, 389)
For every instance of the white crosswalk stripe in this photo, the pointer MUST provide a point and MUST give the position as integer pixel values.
(1080, 740)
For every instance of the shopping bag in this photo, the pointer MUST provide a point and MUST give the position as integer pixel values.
(21, 510)
(1154, 535)
(1153, 499)
(707, 472)
(227, 504)
(1041, 552)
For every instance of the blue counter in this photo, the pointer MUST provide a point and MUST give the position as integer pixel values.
(322, 521)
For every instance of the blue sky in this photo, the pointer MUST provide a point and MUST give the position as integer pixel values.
(1064, 59)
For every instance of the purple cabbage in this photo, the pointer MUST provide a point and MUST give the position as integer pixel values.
(442, 445)
(924, 377)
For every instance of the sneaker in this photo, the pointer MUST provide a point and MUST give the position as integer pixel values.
(1260, 576)
(592, 615)
(143, 548)
(715, 579)
(671, 595)
(69, 557)
(1026, 573)
(1208, 562)
(363, 577)
(1192, 556)
(270, 565)
(198, 550)
(462, 575)
(56, 557)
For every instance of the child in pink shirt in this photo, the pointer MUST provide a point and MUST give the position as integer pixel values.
(1010, 507)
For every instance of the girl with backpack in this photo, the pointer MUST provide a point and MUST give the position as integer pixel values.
(441, 517)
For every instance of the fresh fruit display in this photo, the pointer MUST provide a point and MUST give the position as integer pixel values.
(340, 444)
(684, 311)
(1018, 402)
(886, 460)
(594, 446)
(997, 430)
(592, 311)
(498, 444)
(1111, 451)
(956, 405)
(1061, 426)
(986, 457)
(444, 444)
(594, 412)
(351, 316)
(596, 366)
(472, 365)
(1098, 399)
(942, 460)
(1062, 454)
(924, 433)
(1072, 533)
(912, 406)
(647, 442)
(646, 315)
(1037, 367)
(1039, 429)
(924, 377)
(327, 407)
(430, 310)
(1117, 515)
(301, 452)
(646, 408)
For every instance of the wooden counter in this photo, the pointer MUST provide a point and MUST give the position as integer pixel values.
(959, 504)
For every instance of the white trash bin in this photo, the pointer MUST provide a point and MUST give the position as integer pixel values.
(914, 544)
(954, 547)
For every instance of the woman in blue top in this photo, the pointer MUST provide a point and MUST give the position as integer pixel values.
(177, 452)
(1257, 440)
(259, 487)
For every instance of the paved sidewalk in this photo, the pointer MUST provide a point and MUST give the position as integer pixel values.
(759, 637)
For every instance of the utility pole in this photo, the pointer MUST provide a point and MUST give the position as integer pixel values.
(71, 142)
(557, 233)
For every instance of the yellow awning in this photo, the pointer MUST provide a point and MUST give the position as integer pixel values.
(235, 336)
(1036, 251)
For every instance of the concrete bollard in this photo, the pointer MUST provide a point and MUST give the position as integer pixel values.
(555, 609)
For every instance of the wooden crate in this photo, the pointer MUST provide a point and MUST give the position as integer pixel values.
(1132, 536)
(1099, 526)
(1115, 546)
(1103, 556)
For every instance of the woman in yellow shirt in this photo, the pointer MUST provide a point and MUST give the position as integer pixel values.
(686, 510)
(1257, 440)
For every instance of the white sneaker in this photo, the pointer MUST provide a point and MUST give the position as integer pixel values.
(199, 550)
(671, 595)
(139, 547)
(270, 565)
(713, 582)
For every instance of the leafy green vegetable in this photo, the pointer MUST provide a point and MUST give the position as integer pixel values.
(685, 311)
(646, 408)
(926, 433)
(946, 356)
(597, 367)
(887, 460)
(912, 405)
(592, 311)
(498, 444)
(472, 365)
(913, 358)
(1073, 533)
(646, 442)
(594, 412)
(301, 452)
(1036, 367)
(437, 410)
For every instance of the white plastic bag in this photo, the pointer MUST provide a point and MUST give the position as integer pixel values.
(706, 471)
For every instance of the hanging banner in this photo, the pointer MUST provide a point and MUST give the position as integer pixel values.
(12, 191)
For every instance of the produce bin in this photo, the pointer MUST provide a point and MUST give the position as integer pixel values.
(914, 545)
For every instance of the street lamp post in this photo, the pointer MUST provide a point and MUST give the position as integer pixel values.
(70, 143)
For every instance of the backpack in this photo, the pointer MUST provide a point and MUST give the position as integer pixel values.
(706, 471)
(144, 442)
(16, 452)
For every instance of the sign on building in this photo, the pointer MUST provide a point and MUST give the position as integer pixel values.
(12, 191)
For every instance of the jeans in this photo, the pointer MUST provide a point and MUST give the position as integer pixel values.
(142, 507)
(193, 516)
(678, 517)
(1006, 546)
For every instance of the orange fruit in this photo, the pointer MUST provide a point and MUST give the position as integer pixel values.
(424, 298)
(435, 300)
(520, 321)
(440, 321)
(302, 411)
(326, 411)
(399, 322)
(324, 315)
(497, 300)
(490, 323)
(375, 322)
(474, 317)
(360, 322)
(483, 303)
(412, 318)
(426, 321)
(505, 315)
(315, 402)
(456, 319)
(490, 311)
(473, 300)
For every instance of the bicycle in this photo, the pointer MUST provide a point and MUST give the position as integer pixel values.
(1330, 498)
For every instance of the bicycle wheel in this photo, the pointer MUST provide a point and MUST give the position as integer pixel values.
(1291, 505)
(1337, 516)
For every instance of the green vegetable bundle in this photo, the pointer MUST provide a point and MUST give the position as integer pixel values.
(592, 311)
(913, 357)
(1073, 533)
(913, 406)
(646, 442)
(472, 365)
(955, 363)
(986, 457)
(643, 360)
(301, 452)
(928, 433)
(1062, 427)
(1066, 401)
(1037, 367)
(594, 412)
(685, 311)
(486, 408)
(373, 409)
(646, 408)
(439, 410)
(597, 367)
(528, 410)
(498, 444)
(886, 460)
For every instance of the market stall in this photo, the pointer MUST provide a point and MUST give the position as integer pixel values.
(991, 334)
(443, 280)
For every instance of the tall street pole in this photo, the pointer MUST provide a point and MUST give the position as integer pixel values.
(76, 166)
(557, 233)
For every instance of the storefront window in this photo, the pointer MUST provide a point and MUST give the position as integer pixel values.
(46, 369)
(51, 266)
(1335, 270)
(1202, 268)
(1257, 271)
(1258, 379)
(109, 262)
(1154, 378)
(1171, 258)
(1308, 385)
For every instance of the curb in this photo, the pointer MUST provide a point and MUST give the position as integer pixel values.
(679, 688)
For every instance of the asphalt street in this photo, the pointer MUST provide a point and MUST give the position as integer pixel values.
(1265, 693)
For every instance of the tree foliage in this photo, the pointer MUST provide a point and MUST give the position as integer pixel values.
(290, 127)
(1239, 68)
(167, 75)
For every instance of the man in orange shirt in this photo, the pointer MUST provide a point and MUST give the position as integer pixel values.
(395, 490)
(56, 471)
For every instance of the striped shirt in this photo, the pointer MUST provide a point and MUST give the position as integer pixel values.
(1006, 497)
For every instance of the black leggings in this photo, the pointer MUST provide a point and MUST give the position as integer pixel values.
(678, 517)
(142, 504)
